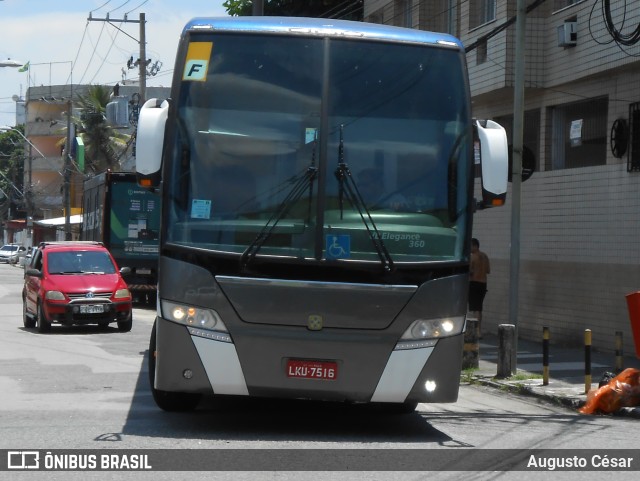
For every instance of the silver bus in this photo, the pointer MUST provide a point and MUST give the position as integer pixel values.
(317, 185)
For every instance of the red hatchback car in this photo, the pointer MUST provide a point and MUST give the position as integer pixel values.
(75, 283)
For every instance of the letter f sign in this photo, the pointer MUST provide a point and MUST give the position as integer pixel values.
(195, 70)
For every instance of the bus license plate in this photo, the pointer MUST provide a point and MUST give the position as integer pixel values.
(326, 370)
(91, 309)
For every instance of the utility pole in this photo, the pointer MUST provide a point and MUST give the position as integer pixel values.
(258, 8)
(516, 175)
(143, 60)
(67, 177)
(142, 45)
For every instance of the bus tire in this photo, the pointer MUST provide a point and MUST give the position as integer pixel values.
(167, 400)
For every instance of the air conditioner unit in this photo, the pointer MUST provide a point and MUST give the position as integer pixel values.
(568, 34)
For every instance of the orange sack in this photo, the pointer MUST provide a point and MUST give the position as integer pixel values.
(622, 391)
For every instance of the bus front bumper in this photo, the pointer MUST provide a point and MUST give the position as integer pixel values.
(257, 365)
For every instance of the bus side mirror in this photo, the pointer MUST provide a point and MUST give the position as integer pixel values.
(149, 142)
(493, 153)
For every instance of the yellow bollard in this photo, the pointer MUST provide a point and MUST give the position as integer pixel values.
(587, 360)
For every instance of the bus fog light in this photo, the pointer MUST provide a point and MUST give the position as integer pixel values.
(430, 386)
(187, 373)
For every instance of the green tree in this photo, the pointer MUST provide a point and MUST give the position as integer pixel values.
(12, 171)
(104, 145)
(341, 9)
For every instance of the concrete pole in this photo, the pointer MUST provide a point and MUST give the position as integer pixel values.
(506, 348)
(143, 60)
(516, 169)
(67, 177)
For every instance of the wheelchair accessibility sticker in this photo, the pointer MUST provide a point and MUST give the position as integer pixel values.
(338, 246)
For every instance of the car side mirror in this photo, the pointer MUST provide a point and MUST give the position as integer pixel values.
(124, 271)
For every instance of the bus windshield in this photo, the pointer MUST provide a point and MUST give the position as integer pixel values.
(320, 149)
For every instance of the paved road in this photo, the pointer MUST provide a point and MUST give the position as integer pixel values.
(83, 388)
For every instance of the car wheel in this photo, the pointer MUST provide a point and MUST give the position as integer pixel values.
(28, 321)
(125, 326)
(41, 320)
(166, 400)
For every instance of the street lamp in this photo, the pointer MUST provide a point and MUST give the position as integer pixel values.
(11, 63)
(6, 128)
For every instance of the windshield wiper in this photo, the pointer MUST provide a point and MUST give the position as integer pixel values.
(300, 185)
(348, 188)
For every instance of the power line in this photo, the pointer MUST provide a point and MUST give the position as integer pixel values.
(105, 3)
(330, 12)
(104, 59)
(134, 9)
(627, 40)
(118, 8)
(95, 50)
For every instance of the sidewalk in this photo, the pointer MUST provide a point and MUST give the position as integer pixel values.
(566, 372)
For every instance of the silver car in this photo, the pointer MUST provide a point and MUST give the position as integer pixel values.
(11, 253)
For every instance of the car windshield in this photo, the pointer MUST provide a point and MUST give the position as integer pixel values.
(9, 248)
(80, 262)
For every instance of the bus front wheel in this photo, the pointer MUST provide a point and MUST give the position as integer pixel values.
(167, 400)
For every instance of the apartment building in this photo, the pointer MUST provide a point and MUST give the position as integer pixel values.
(46, 131)
(580, 212)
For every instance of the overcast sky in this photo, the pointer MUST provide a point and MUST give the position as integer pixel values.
(53, 35)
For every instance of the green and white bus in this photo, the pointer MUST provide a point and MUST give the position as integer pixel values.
(317, 185)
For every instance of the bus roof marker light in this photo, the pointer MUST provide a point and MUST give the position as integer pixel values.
(447, 43)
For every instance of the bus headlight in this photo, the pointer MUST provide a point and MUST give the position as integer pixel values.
(192, 316)
(433, 328)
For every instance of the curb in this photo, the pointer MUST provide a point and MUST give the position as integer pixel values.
(566, 401)
(520, 388)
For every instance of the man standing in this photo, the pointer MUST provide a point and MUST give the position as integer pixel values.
(479, 268)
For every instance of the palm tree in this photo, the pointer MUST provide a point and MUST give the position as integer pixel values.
(104, 145)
